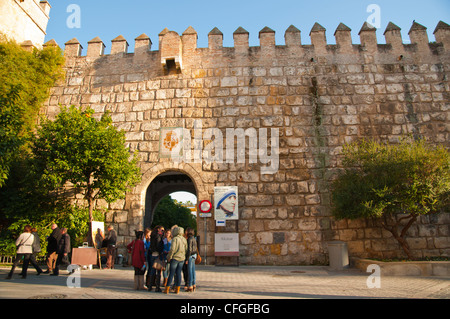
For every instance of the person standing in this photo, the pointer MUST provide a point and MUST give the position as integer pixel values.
(155, 252)
(185, 269)
(137, 250)
(167, 241)
(63, 251)
(191, 255)
(52, 247)
(111, 239)
(147, 233)
(176, 257)
(24, 250)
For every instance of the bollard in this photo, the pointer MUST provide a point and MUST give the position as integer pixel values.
(338, 254)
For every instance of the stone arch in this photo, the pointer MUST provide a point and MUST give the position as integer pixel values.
(185, 168)
(163, 169)
(161, 186)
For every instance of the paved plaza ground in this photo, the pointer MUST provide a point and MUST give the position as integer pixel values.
(244, 282)
(224, 292)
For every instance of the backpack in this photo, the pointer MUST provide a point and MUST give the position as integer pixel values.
(36, 246)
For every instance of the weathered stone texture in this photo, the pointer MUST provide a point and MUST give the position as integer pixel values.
(25, 22)
(318, 96)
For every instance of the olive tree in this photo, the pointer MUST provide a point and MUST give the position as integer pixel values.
(395, 183)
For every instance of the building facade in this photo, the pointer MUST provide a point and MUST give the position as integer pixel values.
(25, 21)
(271, 120)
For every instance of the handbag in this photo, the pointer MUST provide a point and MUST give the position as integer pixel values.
(159, 264)
(198, 259)
(36, 246)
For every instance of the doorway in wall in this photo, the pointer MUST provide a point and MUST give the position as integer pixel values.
(171, 199)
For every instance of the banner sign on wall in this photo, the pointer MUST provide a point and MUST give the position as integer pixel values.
(226, 244)
(226, 203)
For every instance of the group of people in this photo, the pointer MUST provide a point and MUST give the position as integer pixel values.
(158, 254)
(29, 244)
(168, 253)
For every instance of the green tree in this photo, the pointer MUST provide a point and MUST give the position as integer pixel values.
(169, 213)
(10, 125)
(396, 183)
(88, 153)
(25, 82)
(74, 218)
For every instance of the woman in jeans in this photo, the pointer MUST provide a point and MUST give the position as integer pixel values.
(167, 244)
(176, 257)
(147, 233)
(191, 255)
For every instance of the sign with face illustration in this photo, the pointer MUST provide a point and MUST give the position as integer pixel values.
(226, 203)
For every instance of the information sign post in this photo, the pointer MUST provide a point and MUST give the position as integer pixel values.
(204, 208)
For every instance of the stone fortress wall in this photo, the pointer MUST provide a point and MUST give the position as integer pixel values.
(25, 21)
(318, 96)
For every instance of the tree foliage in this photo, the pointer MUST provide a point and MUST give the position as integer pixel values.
(10, 125)
(25, 82)
(411, 178)
(169, 213)
(74, 218)
(89, 153)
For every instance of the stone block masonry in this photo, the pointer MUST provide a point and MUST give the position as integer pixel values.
(25, 21)
(317, 96)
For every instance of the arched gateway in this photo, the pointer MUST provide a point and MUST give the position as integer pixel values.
(279, 116)
(159, 181)
(163, 185)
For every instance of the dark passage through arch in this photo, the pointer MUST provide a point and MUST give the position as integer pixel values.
(163, 185)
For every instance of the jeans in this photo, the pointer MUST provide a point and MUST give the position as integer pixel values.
(152, 270)
(166, 270)
(191, 270)
(175, 270)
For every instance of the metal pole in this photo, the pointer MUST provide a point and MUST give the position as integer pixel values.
(206, 227)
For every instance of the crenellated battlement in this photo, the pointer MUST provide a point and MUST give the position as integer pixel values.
(315, 97)
(172, 46)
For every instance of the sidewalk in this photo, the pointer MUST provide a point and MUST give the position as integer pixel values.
(244, 282)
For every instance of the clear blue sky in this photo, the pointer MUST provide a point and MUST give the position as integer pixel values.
(110, 18)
